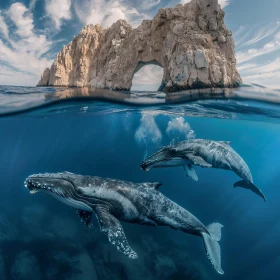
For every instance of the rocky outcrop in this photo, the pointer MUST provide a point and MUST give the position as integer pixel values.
(190, 42)
(35, 246)
(26, 266)
(45, 78)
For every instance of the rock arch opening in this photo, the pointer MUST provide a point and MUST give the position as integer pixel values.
(147, 76)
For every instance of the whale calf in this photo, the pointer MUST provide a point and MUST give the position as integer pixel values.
(113, 201)
(203, 153)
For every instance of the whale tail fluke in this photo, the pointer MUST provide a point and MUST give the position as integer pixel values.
(212, 246)
(250, 186)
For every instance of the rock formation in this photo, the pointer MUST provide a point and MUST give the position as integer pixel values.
(190, 42)
(26, 266)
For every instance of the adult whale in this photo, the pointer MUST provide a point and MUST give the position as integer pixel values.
(203, 153)
(113, 200)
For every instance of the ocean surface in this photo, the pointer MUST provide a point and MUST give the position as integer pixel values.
(109, 134)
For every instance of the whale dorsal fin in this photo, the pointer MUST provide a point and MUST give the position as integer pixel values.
(153, 185)
(226, 142)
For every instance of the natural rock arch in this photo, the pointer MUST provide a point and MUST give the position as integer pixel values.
(142, 65)
(190, 42)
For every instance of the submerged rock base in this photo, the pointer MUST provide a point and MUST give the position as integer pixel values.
(63, 248)
(190, 42)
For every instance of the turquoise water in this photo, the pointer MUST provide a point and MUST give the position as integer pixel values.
(40, 238)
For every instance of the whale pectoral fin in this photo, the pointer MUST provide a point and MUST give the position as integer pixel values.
(190, 172)
(111, 226)
(86, 218)
(199, 161)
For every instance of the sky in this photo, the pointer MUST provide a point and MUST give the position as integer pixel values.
(32, 32)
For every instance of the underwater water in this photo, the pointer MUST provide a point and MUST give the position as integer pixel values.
(41, 238)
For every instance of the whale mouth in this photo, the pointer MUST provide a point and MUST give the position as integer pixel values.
(38, 182)
(61, 186)
(155, 161)
(145, 167)
(33, 189)
(43, 183)
(34, 185)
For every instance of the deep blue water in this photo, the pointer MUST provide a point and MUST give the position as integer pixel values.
(40, 238)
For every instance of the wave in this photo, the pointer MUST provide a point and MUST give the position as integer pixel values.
(247, 102)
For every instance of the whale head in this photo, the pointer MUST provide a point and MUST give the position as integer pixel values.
(62, 186)
(163, 158)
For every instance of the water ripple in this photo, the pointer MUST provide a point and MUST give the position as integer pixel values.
(247, 102)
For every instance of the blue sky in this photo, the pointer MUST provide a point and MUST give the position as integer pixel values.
(33, 31)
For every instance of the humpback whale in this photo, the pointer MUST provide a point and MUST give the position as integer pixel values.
(206, 154)
(112, 201)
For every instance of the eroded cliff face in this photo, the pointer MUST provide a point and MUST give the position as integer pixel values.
(190, 42)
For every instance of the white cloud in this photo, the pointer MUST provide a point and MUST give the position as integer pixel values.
(21, 47)
(148, 4)
(258, 54)
(264, 68)
(223, 3)
(178, 126)
(272, 46)
(242, 35)
(247, 36)
(269, 79)
(148, 131)
(32, 4)
(267, 74)
(3, 27)
(247, 66)
(185, 1)
(23, 20)
(262, 33)
(10, 76)
(58, 10)
(148, 77)
(106, 13)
